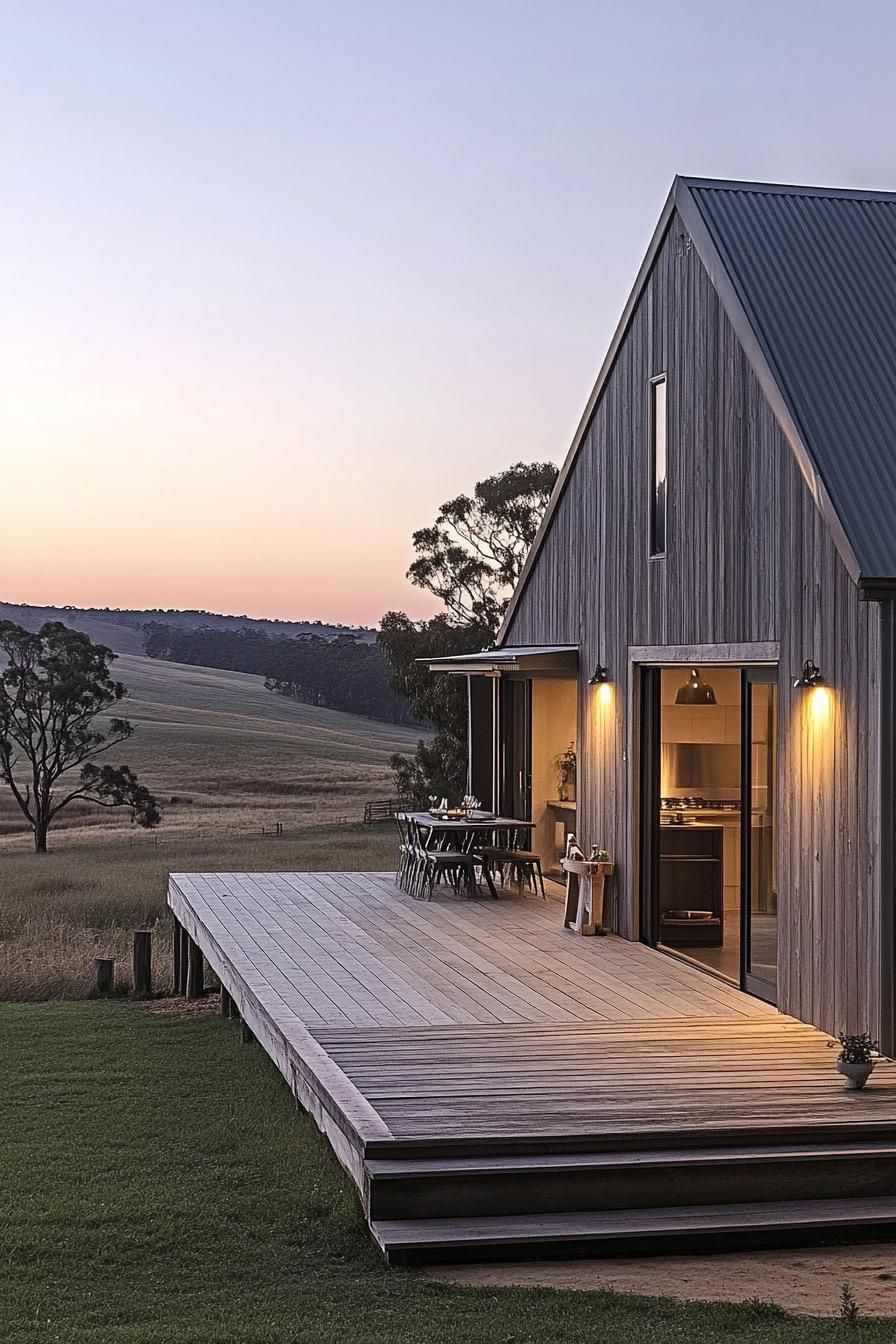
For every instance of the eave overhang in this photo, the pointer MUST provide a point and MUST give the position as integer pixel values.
(527, 660)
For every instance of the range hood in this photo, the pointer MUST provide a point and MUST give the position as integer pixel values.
(703, 767)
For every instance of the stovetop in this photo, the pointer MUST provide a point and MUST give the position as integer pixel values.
(695, 803)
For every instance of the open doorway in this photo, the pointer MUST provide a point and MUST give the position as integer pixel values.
(708, 819)
(554, 795)
(537, 760)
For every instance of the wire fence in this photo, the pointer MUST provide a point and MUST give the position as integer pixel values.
(273, 831)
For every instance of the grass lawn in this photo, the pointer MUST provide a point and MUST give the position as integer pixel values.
(160, 1187)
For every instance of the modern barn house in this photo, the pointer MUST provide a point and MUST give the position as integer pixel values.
(708, 607)
(704, 631)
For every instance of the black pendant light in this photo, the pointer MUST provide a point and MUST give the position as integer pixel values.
(695, 691)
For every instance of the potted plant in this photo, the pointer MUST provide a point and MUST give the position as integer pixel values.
(856, 1058)
(566, 774)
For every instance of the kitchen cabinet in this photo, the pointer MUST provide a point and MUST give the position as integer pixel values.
(691, 879)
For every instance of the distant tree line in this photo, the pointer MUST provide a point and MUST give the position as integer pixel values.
(31, 616)
(343, 673)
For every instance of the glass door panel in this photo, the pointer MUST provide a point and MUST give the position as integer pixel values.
(516, 793)
(758, 818)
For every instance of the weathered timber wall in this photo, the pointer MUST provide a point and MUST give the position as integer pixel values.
(748, 560)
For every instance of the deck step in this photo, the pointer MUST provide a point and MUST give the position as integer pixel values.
(556, 1183)
(657, 1231)
(637, 1139)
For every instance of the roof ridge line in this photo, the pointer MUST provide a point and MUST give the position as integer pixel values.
(788, 189)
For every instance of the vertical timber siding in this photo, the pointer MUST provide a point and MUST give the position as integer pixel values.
(749, 560)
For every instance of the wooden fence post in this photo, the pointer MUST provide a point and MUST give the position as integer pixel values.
(195, 971)
(105, 975)
(142, 962)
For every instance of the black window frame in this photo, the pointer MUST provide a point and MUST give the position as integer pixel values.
(658, 526)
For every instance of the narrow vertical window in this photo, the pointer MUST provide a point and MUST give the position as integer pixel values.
(658, 465)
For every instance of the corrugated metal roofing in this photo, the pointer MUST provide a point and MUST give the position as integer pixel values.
(815, 272)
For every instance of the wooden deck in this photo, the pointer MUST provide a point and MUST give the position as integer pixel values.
(467, 1029)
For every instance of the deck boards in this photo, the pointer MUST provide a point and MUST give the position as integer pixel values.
(351, 949)
(455, 1019)
(678, 1075)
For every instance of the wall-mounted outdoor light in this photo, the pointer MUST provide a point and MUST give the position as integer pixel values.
(809, 677)
(599, 677)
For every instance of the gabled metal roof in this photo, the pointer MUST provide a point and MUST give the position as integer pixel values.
(807, 276)
(815, 273)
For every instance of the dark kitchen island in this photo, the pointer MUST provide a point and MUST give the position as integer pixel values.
(691, 885)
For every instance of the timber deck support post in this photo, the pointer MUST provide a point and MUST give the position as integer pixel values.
(195, 970)
(184, 940)
(226, 1007)
(105, 975)
(177, 955)
(246, 1035)
(143, 963)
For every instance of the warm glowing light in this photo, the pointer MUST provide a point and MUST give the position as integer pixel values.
(820, 704)
(604, 694)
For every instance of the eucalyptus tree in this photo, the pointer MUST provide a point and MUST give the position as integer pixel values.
(470, 558)
(56, 694)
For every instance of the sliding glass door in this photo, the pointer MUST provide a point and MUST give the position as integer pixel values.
(708, 776)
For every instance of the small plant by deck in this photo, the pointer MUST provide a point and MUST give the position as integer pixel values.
(856, 1058)
(856, 1049)
(849, 1307)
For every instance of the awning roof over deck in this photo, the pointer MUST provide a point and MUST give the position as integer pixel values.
(560, 659)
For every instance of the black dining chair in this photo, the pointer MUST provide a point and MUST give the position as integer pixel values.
(430, 865)
(509, 856)
(405, 851)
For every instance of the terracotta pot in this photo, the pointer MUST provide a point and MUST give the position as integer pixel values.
(856, 1075)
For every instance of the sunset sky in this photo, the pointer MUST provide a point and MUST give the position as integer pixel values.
(278, 278)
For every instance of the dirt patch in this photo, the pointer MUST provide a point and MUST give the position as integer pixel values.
(808, 1282)
(177, 1006)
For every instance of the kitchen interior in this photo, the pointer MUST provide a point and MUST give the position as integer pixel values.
(700, 909)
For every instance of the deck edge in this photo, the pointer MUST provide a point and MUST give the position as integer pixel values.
(339, 1110)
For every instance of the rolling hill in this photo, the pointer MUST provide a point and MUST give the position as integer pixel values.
(122, 630)
(226, 756)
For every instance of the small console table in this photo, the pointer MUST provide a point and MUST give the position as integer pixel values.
(585, 894)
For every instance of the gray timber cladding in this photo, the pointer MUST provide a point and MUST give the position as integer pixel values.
(749, 560)
(815, 271)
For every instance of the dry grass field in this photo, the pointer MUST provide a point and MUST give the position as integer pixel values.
(228, 760)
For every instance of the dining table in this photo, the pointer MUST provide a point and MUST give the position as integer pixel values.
(446, 831)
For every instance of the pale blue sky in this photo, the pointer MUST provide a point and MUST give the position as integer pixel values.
(278, 278)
